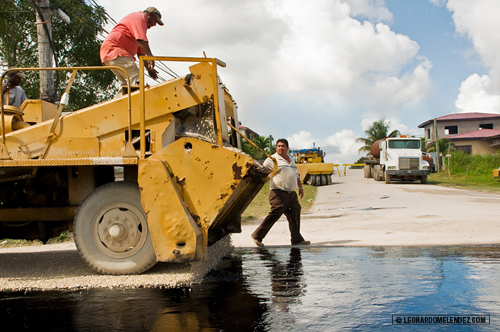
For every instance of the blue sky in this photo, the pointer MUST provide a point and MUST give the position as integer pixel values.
(322, 71)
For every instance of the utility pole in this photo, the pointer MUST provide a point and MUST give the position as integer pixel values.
(437, 145)
(47, 91)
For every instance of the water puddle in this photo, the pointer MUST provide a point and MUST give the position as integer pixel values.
(285, 289)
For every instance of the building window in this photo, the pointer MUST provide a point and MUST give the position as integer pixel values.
(451, 130)
(465, 148)
(428, 134)
(486, 126)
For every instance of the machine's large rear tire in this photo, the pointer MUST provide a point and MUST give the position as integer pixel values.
(324, 181)
(111, 230)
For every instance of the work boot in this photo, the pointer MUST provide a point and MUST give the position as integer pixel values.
(303, 243)
(258, 243)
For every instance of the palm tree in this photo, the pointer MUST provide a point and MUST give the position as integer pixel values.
(444, 144)
(262, 142)
(378, 130)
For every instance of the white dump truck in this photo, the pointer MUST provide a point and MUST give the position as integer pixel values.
(397, 158)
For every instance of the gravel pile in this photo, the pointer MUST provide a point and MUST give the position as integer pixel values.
(59, 267)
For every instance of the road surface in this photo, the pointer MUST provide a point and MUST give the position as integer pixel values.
(354, 211)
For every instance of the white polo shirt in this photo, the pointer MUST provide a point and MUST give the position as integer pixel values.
(16, 97)
(286, 176)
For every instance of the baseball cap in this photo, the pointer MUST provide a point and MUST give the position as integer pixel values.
(155, 11)
(18, 74)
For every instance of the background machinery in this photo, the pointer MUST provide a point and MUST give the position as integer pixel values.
(396, 158)
(312, 167)
(157, 175)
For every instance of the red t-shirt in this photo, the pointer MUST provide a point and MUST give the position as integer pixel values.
(122, 40)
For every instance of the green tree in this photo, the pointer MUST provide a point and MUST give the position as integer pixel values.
(75, 44)
(444, 144)
(378, 130)
(359, 161)
(264, 143)
(423, 147)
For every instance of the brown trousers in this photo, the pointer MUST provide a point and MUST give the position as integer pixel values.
(282, 202)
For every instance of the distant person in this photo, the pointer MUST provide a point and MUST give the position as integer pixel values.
(16, 95)
(283, 196)
(126, 40)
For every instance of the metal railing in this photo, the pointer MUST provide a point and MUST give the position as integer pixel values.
(4, 154)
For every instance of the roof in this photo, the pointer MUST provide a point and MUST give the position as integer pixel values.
(462, 117)
(475, 135)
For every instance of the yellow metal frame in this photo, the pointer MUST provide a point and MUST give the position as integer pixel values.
(345, 167)
(4, 154)
(213, 61)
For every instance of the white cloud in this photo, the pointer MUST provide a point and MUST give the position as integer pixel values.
(478, 21)
(296, 66)
(477, 95)
(340, 148)
(438, 3)
(373, 10)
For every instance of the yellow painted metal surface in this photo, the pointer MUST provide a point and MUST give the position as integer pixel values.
(314, 168)
(192, 191)
(175, 235)
(496, 173)
(205, 177)
(108, 121)
(345, 166)
(36, 111)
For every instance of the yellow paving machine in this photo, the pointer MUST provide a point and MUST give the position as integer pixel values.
(155, 175)
(312, 167)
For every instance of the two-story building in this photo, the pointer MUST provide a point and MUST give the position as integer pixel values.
(249, 133)
(470, 132)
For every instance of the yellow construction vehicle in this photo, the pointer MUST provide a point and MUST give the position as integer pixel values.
(156, 175)
(312, 167)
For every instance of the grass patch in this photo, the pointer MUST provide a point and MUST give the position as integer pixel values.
(10, 243)
(472, 182)
(260, 205)
(473, 172)
(65, 236)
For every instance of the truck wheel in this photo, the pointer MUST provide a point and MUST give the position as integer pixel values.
(387, 178)
(329, 179)
(368, 171)
(323, 180)
(111, 230)
(376, 171)
(423, 179)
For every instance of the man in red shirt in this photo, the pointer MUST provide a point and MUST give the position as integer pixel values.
(127, 39)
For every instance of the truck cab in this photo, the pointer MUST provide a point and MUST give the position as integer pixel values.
(402, 158)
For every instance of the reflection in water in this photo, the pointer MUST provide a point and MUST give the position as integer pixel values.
(286, 278)
(266, 290)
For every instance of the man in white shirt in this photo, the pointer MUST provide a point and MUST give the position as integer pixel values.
(16, 95)
(283, 196)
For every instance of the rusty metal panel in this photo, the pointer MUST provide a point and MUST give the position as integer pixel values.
(175, 235)
(205, 174)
